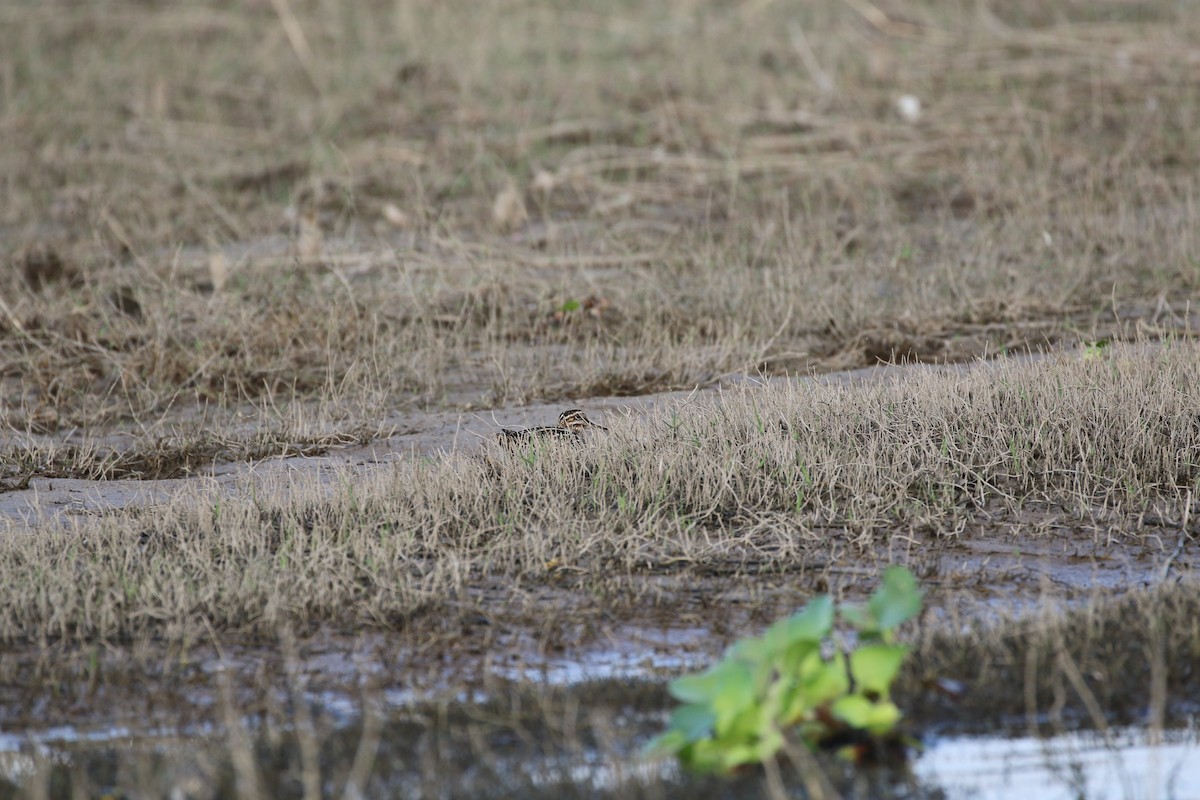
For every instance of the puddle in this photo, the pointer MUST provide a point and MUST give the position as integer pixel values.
(575, 749)
(1068, 766)
(626, 652)
(503, 711)
(517, 719)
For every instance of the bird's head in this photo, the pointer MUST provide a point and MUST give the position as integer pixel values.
(575, 420)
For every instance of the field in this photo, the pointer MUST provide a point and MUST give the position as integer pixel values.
(849, 285)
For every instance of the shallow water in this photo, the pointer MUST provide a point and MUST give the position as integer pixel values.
(1125, 764)
(517, 716)
(575, 746)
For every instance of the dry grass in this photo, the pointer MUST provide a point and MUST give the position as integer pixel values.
(772, 480)
(401, 204)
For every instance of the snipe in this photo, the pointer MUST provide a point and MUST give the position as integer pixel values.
(570, 423)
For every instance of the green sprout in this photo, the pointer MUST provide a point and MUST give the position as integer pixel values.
(781, 685)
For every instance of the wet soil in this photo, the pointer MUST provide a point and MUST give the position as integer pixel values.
(557, 640)
(593, 670)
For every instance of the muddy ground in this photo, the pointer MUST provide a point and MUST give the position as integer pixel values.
(555, 700)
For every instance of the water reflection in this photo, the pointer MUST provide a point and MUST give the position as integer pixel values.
(578, 743)
(1071, 765)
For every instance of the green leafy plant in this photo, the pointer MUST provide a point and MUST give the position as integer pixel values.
(790, 682)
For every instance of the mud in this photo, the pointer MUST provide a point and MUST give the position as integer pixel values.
(975, 580)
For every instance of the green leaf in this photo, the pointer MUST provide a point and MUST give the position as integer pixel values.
(755, 650)
(811, 624)
(744, 725)
(821, 682)
(859, 712)
(828, 682)
(665, 744)
(790, 638)
(874, 666)
(884, 720)
(855, 710)
(704, 756)
(897, 599)
(734, 693)
(569, 306)
(755, 654)
(699, 688)
(799, 659)
(754, 752)
(694, 721)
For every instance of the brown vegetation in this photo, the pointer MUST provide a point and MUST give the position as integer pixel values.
(216, 204)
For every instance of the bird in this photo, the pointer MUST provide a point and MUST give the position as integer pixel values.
(570, 423)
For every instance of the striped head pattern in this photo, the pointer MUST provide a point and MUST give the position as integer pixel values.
(575, 420)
